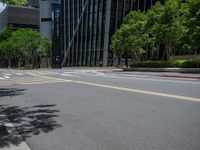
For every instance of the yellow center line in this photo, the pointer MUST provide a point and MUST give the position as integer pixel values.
(179, 97)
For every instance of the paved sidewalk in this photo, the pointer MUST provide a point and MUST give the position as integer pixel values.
(179, 70)
(164, 74)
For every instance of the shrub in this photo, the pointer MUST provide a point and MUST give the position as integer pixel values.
(168, 64)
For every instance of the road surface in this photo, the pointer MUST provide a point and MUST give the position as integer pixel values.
(87, 109)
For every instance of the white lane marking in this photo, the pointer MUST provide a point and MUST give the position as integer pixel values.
(30, 73)
(19, 74)
(6, 77)
(68, 75)
(100, 74)
(140, 78)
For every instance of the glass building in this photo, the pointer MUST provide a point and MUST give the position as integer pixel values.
(87, 27)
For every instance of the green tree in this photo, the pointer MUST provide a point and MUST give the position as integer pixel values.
(131, 36)
(193, 24)
(14, 2)
(24, 45)
(26, 41)
(45, 47)
(163, 26)
(6, 52)
(4, 35)
(5, 46)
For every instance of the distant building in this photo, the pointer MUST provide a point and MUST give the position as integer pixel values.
(48, 8)
(19, 17)
(50, 26)
(81, 30)
(87, 28)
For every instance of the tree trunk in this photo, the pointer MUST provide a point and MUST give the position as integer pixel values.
(167, 51)
(9, 63)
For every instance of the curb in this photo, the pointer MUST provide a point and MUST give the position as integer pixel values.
(183, 77)
(178, 70)
(12, 131)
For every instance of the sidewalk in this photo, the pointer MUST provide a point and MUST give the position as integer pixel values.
(179, 70)
(154, 73)
(163, 74)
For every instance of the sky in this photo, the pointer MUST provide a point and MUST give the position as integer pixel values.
(1, 7)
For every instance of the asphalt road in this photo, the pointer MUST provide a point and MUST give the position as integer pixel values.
(86, 109)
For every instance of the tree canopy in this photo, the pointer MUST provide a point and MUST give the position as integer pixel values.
(174, 26)
(14, 2)
(23, 45)
(124, 39)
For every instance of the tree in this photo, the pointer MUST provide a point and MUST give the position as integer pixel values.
(6, 52)
(24, 45)
(45, 47)
(193, 24)
(4, 35)
(5, 46)
(131, 36)
(163, 26)
(26, 41)
(169, 28)
(14, 2)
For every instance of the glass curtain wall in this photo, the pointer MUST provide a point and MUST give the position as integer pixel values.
(85, 28)
(56, 35)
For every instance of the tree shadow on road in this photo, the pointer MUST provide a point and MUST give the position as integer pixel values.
(28, 121)
(11, 92)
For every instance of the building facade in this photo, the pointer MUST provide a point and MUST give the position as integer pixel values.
(50, 27)
(87, 27)
(19, 17)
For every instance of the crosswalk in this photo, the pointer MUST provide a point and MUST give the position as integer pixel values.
(20, 77)
(28, 81)
(38, 77)
(24, 78)
(73, 73)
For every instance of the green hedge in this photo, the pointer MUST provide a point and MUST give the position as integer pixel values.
(167, 64)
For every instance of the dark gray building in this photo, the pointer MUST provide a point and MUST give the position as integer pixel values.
(50, 27)
(19, 17)
(86, 30)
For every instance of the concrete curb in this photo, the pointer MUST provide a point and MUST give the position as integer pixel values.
(178, 70)
(10, 127)
(183, 77)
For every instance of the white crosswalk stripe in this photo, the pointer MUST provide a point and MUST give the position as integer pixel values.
(19, 74)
